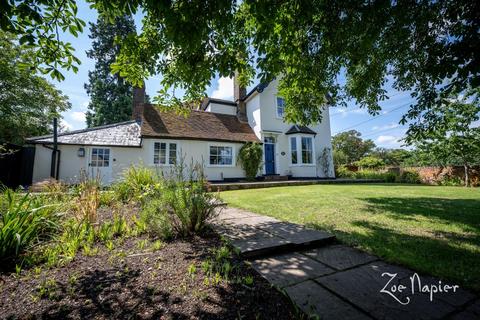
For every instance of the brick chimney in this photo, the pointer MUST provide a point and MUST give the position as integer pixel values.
(239, 93)
(138, 102)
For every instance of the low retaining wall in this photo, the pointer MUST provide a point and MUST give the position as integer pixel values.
(270, 184)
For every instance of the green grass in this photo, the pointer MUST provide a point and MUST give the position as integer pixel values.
(434, 230)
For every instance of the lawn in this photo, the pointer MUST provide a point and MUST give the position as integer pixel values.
(434, 230)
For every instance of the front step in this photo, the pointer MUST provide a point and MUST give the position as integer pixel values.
(260, 236)
(275, 177)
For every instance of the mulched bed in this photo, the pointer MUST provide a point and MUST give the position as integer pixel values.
(129, 282)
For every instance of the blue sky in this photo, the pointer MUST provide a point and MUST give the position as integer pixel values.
(384, 129)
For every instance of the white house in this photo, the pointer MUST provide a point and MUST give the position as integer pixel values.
(211, 135)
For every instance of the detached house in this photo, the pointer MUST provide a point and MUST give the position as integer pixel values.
(211, 135)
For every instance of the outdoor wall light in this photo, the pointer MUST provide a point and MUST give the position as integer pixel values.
(81, 152)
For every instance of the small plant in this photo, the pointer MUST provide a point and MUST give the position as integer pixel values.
(250, 157)
(87, 200)
(106, 231)
(47, 289)
(248, 280)
(107, 198)
(109, 245)
(89, 251)
(157, 245)
(24, 223)
(192, 269)
(142, 244)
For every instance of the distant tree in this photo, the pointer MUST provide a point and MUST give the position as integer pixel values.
(339, 158)
(111, 95)
(448, 135)
(351, 146)
(28, 103)
(392, 157)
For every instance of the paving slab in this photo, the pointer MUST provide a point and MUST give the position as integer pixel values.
(288, 269)
(362, 287)
(234, 213)
(313, 299)
(259, 245)
(295, 233)
(472, 312)
(340, 257)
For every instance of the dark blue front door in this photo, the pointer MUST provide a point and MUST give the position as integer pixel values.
(269, 158)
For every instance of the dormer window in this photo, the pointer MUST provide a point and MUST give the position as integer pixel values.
(280, 107)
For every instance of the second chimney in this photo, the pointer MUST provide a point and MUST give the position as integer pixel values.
(239, 93)
(138, 102)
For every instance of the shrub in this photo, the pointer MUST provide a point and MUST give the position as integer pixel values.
(343, 172)
(107, 198)
(371, 174)
(24, 222)
(156, 219)
(135, 183)
(250, 157)
(370, 162)
(410, 176)
(452, 181)
(181, 205)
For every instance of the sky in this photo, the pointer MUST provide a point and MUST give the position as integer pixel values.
(383, 129)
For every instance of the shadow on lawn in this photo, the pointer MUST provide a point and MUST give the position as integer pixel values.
(462, 211)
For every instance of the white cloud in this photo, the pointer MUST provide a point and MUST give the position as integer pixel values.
(224, 89)
(65, 126)
(385, 127)
(389, 141)
(78, 116)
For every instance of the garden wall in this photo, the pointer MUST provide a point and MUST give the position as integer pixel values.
(441, 175)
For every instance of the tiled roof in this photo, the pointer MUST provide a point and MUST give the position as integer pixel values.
(300, 129)
(198, 125)
(125, 134)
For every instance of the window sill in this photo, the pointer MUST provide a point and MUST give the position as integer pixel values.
(302, 165)
(221, 166)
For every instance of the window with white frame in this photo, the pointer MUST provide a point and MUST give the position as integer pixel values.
(164, 153)
(301, 150)
(280, 107)
(293, 150)
(307, 150)
(221, 156)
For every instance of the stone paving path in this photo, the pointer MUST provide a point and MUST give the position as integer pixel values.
(335, 281)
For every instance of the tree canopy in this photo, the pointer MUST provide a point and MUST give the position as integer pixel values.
(447, 135)
(428, 47)
(28, 103)
(110, 95)
(349, 147)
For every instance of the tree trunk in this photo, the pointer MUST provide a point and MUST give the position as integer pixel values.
(465, 166)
